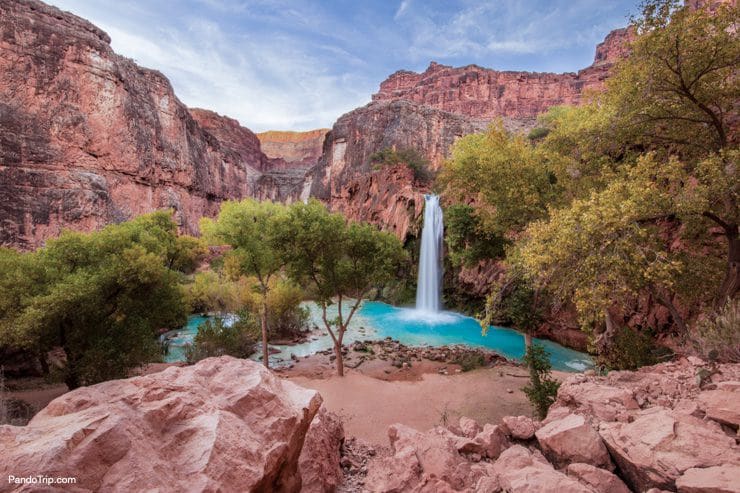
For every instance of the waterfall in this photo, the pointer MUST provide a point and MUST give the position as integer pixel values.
(429, 285)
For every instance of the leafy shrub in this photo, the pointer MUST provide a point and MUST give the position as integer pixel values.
(471, 361)
(542, 389)
(630, 349)
(467, 241)
(410, 157)
(538, 133)
(215, 339)
(719, 335)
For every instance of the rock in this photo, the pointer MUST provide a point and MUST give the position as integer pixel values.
(600, 480)
(469, 427)
(572, 439)
(718, 479)
(519, 427)
(520, 471)
(294, 148)
(491, 440)
(318, 463)
(599, 399)
(660, 445)
(90, 138)
(721, 405)
(223, 424)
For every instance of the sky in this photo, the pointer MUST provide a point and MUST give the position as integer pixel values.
(300, 64)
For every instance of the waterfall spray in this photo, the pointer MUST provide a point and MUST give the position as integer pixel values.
(429, 285)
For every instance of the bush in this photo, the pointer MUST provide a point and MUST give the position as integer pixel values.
(410, 157)
(630, 349)
(538, 133)
(719, 335)
(215, 339)
(471, 361)
(466, 239)
(542, 389)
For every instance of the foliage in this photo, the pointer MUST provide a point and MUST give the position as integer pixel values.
(629, 350)
(249, 228)
(285, 316)
(508, 180)
(679, 88)
(213, 292)
(341, 261)
(470, 361)
(512, 301)
(538, 133)
(410, 157)
(718, 336)
(542, 389)
(216, 339)
(101, 296)
(468, 243)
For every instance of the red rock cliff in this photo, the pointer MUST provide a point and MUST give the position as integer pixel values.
(484, 93)
(295, 148)
(87, 137)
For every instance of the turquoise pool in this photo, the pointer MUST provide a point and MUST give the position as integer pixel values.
(376, 320)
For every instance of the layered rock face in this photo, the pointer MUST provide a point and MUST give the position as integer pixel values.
(478, 92)
(224, 424)
(294, 148)
(347, 181)
(87, 137)
(658, 428)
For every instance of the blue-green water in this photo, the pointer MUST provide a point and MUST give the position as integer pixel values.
(375, 320)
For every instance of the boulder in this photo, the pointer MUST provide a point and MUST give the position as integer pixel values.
(722, 406)
(718, 479)
(520, 471)
(492, 441)
(519, 427)
(660, 445)
(600, 480)
(224, 424)
(572, 439)
(318, 463)
(469, 427)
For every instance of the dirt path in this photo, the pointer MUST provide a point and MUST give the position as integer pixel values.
(368, 405)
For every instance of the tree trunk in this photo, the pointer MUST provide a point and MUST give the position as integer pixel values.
(527, 340)
(263, 320)
(340, 360)
(665, 300)
(731, 284)
(72, 377)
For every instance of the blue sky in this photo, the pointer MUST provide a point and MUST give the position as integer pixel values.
(300, 64)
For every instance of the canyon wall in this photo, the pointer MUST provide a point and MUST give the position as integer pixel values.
(87, 137)
(294, 148)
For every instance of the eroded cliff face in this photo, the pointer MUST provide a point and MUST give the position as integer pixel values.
(87, 137)
(294, 148)
(483, 93)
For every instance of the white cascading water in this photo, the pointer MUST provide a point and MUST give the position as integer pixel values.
(429, 285)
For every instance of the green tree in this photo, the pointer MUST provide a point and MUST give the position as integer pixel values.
(542, 390)
(101, 296)
(249, 228)
(216, 339)
(342, 262)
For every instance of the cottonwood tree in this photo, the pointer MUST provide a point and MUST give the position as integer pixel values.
(101, 296)
(250, 227)
(339, 261)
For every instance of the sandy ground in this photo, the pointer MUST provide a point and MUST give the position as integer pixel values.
(369, 405)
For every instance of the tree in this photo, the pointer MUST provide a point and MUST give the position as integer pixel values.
(677, 93)
(342, 262)
(542, 389)
(101, 296)
(216, 339)
(249, 228)
(504, 177)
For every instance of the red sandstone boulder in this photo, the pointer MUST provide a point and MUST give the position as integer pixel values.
(660, 445)
(318, 463)
(224, 424)
(520, 471)
(519, 427)
(469, 427)
(572, 439)
(722, 405)
(600, 480)
(492, 441)
(720, 479)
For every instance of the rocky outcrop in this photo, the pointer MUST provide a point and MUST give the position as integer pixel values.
(87, 137)
(483, 93)
(224, 424)
(652, 427)
(318, 463)
(294, 148)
